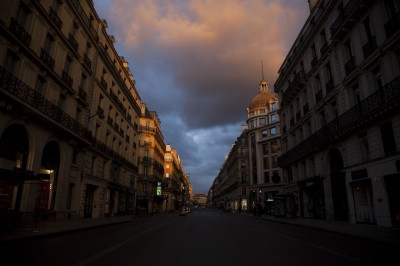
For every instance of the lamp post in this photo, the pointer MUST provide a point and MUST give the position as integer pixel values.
(166, 202)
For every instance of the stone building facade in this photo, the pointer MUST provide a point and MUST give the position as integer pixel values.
(69, 115)
(339, 93)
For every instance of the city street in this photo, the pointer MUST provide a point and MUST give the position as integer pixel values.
(203, 237)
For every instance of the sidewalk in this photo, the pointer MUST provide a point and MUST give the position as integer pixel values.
(51, 227)
(389, 235)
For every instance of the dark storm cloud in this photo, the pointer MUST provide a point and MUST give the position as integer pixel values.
(197, 63)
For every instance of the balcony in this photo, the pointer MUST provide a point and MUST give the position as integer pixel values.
(342, 23)
(82, 95)
(369, 47)
(73, 42)
(103, 83)
(116, 127)
(100, 111)
(110, 121)
(35, 100)
(55, 18)
(116, 100)
(374, 107)
(147, 128)
(323, 49)
(297, 83)
(47, 59)
(392, 25)
(87, 61)
(67, 78)
(19, 31)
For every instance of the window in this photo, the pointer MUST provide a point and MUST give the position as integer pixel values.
(40, 84)
(274, 147)
(70, 193)
(378, 78)
(367, 29)
(273, 106)
(275, 177)
(267, 177)
(75, 156)
(48, 44)
(262, 121)
(273, 118)
(364, 147)
(11, 62)
(265, 149)
(389, 143)
(274, 162)
(273, 131)
(167, 175)
(264, 133)
(67, 64)
(266, 163)
(167, 166)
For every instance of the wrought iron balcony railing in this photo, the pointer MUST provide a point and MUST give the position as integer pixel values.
(29, 96)
(82, 95)
(47, 59)
(73, 42)
(55, 18)
(377, 103)
(67, 78)
(347, 10)
(297, 83)
(19, 31)
(87, 61)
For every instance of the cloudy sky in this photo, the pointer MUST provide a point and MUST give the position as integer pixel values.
(197, 63)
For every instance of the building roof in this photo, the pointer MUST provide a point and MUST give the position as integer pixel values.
(263, 98)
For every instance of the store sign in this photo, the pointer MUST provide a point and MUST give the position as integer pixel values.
(159, 190)
(43, 194)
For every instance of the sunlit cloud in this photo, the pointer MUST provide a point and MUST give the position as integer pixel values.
(197, 63)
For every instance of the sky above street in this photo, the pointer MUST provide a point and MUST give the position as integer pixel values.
(197, 63)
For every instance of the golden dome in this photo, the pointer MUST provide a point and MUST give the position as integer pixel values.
(263, 98)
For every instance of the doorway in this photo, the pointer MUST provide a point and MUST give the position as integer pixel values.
(338, 185)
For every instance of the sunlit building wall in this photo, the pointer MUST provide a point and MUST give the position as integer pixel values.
(339, 93)
(151, 151)
(69, 114)
(176, 189)
(263, 133)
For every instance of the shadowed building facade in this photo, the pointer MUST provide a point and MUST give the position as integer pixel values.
(69, 115)
(339, 92)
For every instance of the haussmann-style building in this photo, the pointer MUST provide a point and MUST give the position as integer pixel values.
(339, 89)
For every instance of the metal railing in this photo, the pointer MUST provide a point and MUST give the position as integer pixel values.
(354, 117)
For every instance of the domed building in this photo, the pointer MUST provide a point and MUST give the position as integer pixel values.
(264, 139)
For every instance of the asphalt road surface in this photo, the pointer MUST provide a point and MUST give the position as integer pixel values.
(203, 237)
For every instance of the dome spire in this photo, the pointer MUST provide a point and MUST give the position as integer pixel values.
(262, 70)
